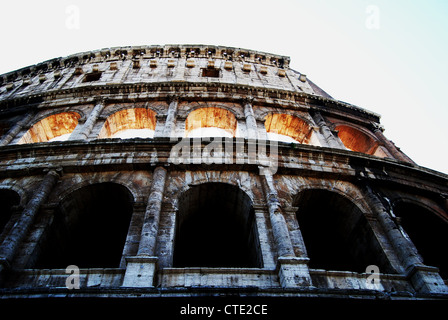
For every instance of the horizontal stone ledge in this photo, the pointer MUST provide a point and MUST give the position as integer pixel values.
(209, 270)
(421, 267)
(283, 147)
(337, 273)
(137, 154)
(292, 295)
(141, 259)
(47, 271)
(169, 87)
(293, 260)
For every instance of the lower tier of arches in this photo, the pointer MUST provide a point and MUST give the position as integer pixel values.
(221, 228)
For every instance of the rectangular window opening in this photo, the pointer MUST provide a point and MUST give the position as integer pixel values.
(210, 72)
(93, 76)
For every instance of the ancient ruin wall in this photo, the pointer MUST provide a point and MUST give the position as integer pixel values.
(184, 166)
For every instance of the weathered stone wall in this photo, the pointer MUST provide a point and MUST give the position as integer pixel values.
(50, 180)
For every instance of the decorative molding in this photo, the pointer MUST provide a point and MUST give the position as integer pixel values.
(260, 94)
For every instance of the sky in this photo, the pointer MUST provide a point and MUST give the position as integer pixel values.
(386, 56)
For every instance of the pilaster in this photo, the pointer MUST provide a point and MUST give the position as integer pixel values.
(12, 242)
(141, 269)
(390, 147)
(170, 122)
(251, 123)
(423, 278)
(16, 129)
(84, 131)
(330, 139)
(293, 271)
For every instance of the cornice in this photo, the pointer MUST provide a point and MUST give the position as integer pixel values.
(134, 53)
(192, 90)
(293, 159)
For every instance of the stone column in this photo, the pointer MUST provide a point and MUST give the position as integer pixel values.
(170, 122)
(293, 271)
(16, 129)
(424, 278)
(140, 269)
(160, 125)
(84, 131)
(20, 230)
(150, 227)
(393, 150)
(330, 139)
(296, 233)
(251, 123)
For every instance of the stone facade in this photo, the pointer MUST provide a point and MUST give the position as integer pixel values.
(294, 193)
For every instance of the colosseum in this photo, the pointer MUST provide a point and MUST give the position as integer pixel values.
(192, 171)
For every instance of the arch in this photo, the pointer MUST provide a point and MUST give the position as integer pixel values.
(155, 106)
(129, 123)
(337, 234)
(187, 107)
(342, 188)
(89, 228)
(216, 227)
(210, 121)
(356, 140)
(78, 181)
(427, 230)
(287, 128)
(56, 127)
(238, 180)
(15, 187)
(8, 200)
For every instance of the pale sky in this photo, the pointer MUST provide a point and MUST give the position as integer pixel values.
(390, 57)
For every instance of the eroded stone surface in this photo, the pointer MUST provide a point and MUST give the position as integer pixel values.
(339, 168)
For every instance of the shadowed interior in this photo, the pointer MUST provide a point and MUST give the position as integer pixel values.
(216, 228)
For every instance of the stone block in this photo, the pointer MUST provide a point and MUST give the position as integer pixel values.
(426, 279)
(140, 272)
(293, 272)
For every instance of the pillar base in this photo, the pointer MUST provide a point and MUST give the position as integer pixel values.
(293, 272)
(426, 279)
(140, 272)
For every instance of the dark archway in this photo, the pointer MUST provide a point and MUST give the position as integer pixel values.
(216, 227)
(8, 200)
(336, 233)
(428, 232)
(89, 228)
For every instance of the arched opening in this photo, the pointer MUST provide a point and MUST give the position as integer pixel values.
(216, 227)
(287, 128)
(355, 140)
(8, 199)
(427, 231)
(130, 123)
(337, 236)
(210, 122)
(89, 228)
(56, 127)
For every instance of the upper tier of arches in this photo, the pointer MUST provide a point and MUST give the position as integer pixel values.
(213, 120)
